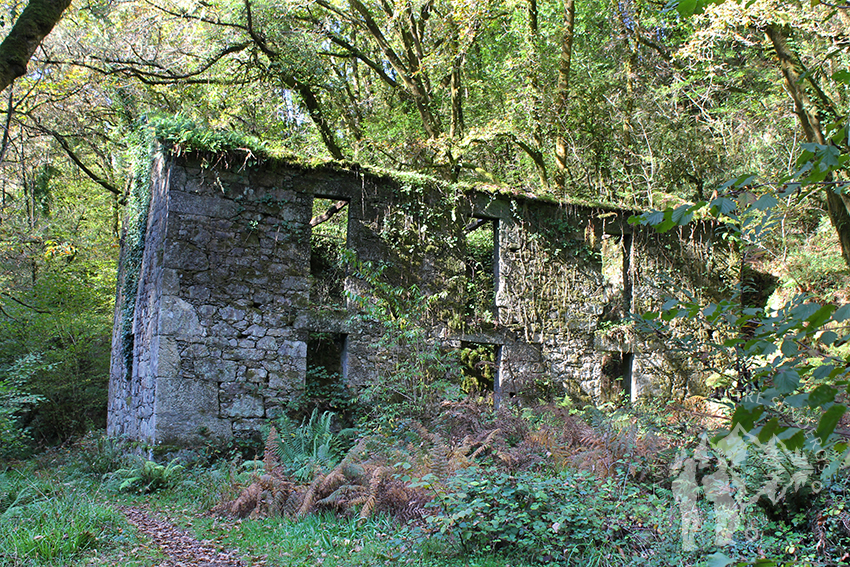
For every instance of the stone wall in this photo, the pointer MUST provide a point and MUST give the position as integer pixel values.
(214, 341)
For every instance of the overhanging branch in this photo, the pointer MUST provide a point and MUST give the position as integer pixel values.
(326, 216)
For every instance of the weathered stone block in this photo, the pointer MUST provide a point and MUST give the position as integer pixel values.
(179, 318)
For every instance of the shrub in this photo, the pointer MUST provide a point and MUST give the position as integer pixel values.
(13, 400)
(99, 454)
(547, 518)
(311, 447)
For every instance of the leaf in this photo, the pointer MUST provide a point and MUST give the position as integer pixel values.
(804, 311)
(686, 8)
(654, 218)
(843, 75)
(797, 400)
(795, 441)
(719, 560)
(682, 215)
(787, 380)
(842, 313)
(768, 430)
(822, 395)
(828, 421)
(722, 206)
(820, 317)
(828, 337)
(835, 462)
(765, 202)
(824, 371)
(789, 348)
(746, 418)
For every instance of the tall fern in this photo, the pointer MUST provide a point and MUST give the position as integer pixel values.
(310, 448)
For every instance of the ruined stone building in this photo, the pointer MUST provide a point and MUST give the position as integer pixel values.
(230, 293)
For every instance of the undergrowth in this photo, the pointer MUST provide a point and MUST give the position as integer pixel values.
(49, 520)
(547, 485)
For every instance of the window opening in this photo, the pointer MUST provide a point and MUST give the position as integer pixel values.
(626, 242)
(482, 270)
(327, 369)
(616, 270)
(629, 390)
(616, 381)
(328, 241)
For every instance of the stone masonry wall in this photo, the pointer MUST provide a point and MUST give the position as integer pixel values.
(222, 313)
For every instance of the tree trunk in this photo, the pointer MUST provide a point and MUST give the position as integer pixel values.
(536, 101)
(836, 206)
(562, 96)
(36, 21)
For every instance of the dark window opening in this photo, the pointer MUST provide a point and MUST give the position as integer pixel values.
(326, 384)
(626, 242)
(479, 368)
(628, 376)
(328, 242)
(616, 384)
(482, 271)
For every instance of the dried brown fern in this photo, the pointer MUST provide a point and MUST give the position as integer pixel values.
(375, 481)
(310, 496)
(263, 497)
(487, 443)
(270, 458)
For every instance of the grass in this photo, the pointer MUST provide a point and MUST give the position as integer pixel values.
(48, 519)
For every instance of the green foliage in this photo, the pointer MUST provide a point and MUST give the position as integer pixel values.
(13, 400)
(99, 454)
(783, 355)
(561, 518)
(816, 267)
(326, 391)
(147, 476)
(183, 135)
(51, 521)
(311, 447)
(321, 538)
(417, 373)
(480, 284)
(478, 368)
(57, 273)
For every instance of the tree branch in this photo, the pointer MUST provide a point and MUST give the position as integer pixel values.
(18, 301)
(63, 142)
(326, 216)
(35, 22)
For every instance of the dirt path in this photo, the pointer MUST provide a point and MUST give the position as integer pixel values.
(181, 548)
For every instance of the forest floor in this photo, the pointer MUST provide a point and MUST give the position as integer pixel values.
(180, 547)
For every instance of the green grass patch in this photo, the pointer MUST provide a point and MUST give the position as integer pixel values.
(331, 541)
(46, 519)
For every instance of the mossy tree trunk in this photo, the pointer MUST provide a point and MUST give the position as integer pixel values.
(36, 21)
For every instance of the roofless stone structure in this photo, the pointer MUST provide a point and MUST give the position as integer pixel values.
(226, 297)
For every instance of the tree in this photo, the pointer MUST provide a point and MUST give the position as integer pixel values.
(35, 22)
(815, 29)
